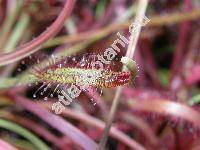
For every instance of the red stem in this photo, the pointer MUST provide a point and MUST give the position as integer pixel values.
(181, 43)
(149, 62)
(43, 132)
(35, 45)
(194, 75)
(54, 121)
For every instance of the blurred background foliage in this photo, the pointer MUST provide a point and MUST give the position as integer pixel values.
(159, 110)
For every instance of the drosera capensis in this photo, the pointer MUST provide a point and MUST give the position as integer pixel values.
(58, 73)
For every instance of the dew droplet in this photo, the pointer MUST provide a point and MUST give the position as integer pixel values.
(34, 95)
(74, 59)
(51, 95)
(82, 64)
(101, 92)
(46, 98)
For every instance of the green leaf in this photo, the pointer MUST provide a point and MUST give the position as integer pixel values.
(100, 8)
(164, 77)
(23, 132)
(194, 100)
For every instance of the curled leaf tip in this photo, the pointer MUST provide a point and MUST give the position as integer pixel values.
(130, 64)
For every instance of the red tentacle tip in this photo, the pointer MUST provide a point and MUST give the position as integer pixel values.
(123, 78)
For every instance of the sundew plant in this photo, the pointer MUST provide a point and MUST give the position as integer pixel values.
(99, 74)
